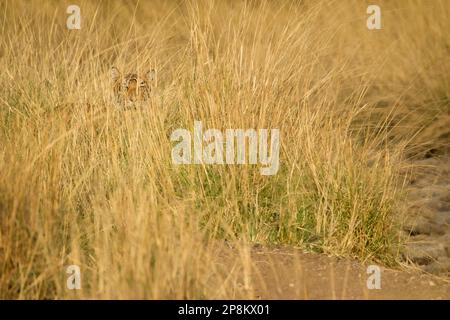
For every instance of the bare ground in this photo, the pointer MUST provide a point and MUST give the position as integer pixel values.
(288, 273)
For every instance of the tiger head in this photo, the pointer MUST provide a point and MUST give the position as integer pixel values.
(131, 89)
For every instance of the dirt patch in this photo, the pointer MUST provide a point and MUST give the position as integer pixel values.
(288, 273)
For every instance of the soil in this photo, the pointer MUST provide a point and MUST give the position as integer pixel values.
(288, 273)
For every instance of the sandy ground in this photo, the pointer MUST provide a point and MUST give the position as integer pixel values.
(287, 273)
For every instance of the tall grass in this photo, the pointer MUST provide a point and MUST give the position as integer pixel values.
(85, 183)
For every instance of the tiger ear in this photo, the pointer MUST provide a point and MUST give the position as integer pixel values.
(115, 74)
(151, 75)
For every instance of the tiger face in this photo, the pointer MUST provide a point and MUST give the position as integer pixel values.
(131, 89)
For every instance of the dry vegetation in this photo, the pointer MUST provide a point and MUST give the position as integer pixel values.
(85, 183)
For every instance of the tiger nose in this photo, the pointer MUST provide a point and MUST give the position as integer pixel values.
(132, 95)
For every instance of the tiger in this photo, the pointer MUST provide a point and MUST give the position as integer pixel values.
(132, 90)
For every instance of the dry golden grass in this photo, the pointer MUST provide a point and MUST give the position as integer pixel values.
(84, 183)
